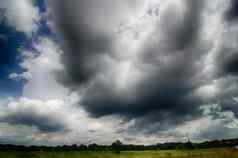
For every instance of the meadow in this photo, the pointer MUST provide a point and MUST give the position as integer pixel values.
(205, 153)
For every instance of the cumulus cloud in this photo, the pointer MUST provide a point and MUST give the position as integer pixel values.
(34, 113)
(155, 70)
(159, 75)
(40, 64)
(47, 110)
(23, 15)
(155, 82)
(53, 122)
(22, 76)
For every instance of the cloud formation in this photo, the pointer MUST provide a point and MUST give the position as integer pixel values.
(232, 12)
(159, 75)
(142, 71)
(33, 113)
(153, 83)
(24, 16)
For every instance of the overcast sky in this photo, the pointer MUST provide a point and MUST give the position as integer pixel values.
(142, 71)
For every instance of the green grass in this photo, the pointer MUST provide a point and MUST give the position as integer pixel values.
(207, 153)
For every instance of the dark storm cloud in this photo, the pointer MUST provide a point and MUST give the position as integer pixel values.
(164, 95)
(227, 62)
(79, 43)
(232, 12)
(170, 59)
(230, 64)
(230, 104)
(79, 25)
(183, 33)
(42, 122)
(168, 90)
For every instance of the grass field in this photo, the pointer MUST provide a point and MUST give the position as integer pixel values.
(208, 153)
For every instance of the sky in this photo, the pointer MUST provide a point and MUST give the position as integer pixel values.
(142, 71)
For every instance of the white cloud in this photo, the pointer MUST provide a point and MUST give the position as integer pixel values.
(41, 66)
(23, 15)
(35, 113)
(208, 91)
(53, 122)
(44, 97)
(22, 76)
(13, 76)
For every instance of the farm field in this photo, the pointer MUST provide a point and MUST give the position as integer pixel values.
(206, 153)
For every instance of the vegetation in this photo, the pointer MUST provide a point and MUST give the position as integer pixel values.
(117, 146)
(204, 153)
(209, 149)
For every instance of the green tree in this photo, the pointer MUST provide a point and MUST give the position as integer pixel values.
(117, 146)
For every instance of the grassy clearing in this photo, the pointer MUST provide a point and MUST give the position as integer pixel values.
(207, 153)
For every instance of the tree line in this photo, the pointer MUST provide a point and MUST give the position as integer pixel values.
(118, 146)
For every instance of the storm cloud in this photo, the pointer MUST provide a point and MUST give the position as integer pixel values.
(232, 12)
(33, 113)
(155, 75)
(142, 71)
